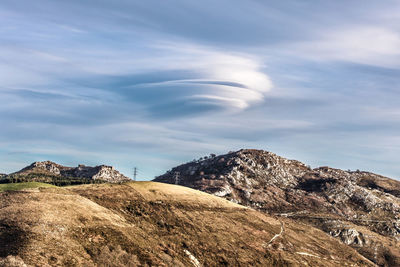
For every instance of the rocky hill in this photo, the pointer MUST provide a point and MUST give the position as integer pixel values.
(47, 171)
(361, 209)
(153, 224)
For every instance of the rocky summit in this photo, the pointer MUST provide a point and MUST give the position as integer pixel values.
(48, 171)
(361, 209)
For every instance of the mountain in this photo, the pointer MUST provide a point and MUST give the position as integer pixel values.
(153, 224)
(47, 171)
(361, 209)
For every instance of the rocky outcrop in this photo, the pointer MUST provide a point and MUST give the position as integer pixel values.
(239, 176)
(333, 200)
(48, 168)
(102, 172)
(349, 236)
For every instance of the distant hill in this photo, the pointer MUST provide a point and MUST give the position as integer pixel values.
(153, 224)
(50, 172)
(361, 209)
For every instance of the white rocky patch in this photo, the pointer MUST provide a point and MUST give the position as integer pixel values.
(192, 258)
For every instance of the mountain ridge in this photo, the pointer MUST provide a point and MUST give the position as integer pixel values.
(47, 171)
(361, 209)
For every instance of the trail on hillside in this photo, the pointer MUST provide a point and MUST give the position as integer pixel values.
(277, 235)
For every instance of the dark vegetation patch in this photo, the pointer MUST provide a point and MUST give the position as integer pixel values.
(316, 184)
(12, 239)
(50, 179)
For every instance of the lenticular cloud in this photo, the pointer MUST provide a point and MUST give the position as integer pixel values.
(222, 79)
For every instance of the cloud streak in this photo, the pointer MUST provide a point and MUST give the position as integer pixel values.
(370, 45)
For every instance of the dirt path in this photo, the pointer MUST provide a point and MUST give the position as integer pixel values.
(277, 235)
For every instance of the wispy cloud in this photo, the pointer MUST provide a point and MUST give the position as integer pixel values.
(365, 44)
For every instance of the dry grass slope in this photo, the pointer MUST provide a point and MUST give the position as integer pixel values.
(153, 224)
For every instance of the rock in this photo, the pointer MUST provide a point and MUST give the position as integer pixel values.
(44, 166)
(349, 236)
(102, 172)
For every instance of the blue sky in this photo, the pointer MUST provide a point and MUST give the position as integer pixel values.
(153, 84)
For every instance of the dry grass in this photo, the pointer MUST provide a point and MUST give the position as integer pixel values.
(152, 224)
(153, 191)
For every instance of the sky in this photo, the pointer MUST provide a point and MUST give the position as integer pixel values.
(152, 84)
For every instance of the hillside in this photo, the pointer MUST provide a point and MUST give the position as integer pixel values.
(153, 224)
(50, 172)
(360, 209)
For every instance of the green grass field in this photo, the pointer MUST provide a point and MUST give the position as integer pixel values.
(19, 186)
